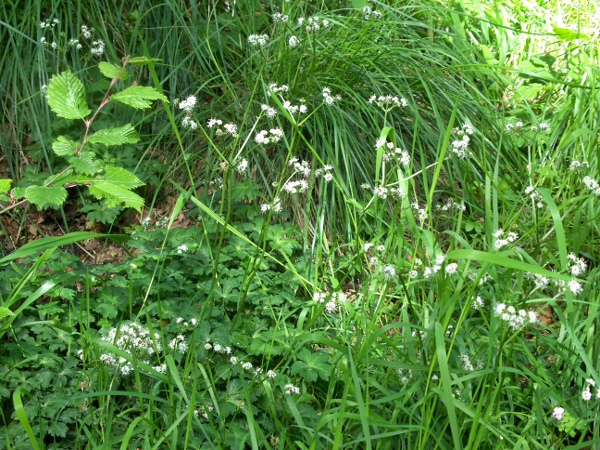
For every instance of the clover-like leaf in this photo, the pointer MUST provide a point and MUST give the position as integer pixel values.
(64, 147)
(139, 97)
(45, 196)
(115, 136)
(65, 96)
(112, 71)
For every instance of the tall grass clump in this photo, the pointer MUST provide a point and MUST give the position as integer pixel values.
(364, 225)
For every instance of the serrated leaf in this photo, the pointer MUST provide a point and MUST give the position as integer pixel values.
(64, 147)
(115, 136)
(86, 164)
(122, 177)
(143, 60)
(139, 97)
(5, 185)
(568, 35)
(65, 96)
(44, 196)
(18, 193)
(5, 312)
(115, 195)
(112, 71)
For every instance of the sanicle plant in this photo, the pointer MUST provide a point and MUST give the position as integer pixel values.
(66, 97)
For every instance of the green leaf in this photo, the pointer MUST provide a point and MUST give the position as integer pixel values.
(143, 60)
(43, 196)
(312, 365)
(568, 35)
(5, 312)
(122, 177)
(116, 195)
(5, 185)
(139, 97)
(65, 96)
(86, 164)
(64, 147)
(115, 136)
(112, 71)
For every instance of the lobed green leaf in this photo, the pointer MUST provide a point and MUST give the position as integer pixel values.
(139, 97)
(112, 71)
(64, 146)
(5, 185)
(45, 196)
(65, 96)
(115, 136)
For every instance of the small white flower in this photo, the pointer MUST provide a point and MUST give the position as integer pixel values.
(258, 40)
(188, 104)
(233, 360)
(291, 389)
(247, 365)
(293, 41)
(451, 268)
(558, 413)
(575, 287)
(389, 272)
(586, 395)
(182, 248)
(271, 374)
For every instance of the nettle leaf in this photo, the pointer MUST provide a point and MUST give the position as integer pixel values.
(86, 164)
(122, 177)
(311, 365)
(5, 312)
(64, 147)
(115, 195)
(139, 97)
(5, 185)
(65, 96)
(44, 196)
(112, 71)
(142, 60)
(115, 136)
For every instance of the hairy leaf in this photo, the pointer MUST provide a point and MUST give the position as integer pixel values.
(5, 185)
(64, 147)
(44, 196)
(122, 177)
(116, 195)
(65, 96)
(112, 71)
(115, 136)
(139, 97)
(86, 164)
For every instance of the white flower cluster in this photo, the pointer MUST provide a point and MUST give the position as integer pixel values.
(519, 126)
(461, 144)
(451, 205)
(313, 23)
(421, 212)
(222, 129)
(592, 185)
(586, 395)
(326, 172)
(334, 300)
(502, 239)
(388, 102)
(275, 88)
(275, 206)
(182, 249)
(466, 360)
(136, 341)
(368, 13)
(49, 24)
(576, 165)
(293, 41)
(293, 109)
(203, 411)
(389, 272)
(178, 344)
(278, 17)
(188, 104)
(241, 165)
(515, 319)
(301, 167)
(534, 196)
(97, 48)
(430, 271)
(258, 40)
(291, 389)
(86, 32)
(328, 98)
(265, 137)
(577, 266)
(395, 154)
(268, 110)
(478, 303)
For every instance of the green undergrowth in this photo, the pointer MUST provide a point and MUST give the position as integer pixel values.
(343, 225)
